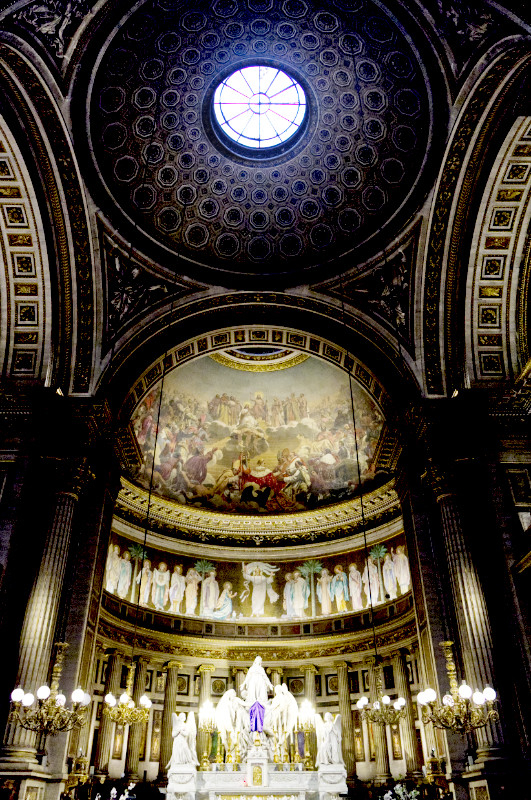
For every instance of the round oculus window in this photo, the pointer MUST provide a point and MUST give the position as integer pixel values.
(259, 107)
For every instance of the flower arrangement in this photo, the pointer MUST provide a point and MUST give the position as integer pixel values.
(400, 792)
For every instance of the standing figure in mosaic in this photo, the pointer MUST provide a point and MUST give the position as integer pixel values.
(401, 563)
(223, 608)
(389, 576)
(161, 586)
(192, 580)
(177, 587)
(355, 585)
(301, 593)
(339, 588)
(210, 593)
(371, 583)
(144, 578)
(260, 576)
(288, 596)
(112, 569)
(126, 572)
(324, 592)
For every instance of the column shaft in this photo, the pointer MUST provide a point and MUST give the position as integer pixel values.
(135, 730)
(170, 700)
(309, 691)
(105, 736)
(407, 725)
(347, 724)
(203, 737)
(380, 734)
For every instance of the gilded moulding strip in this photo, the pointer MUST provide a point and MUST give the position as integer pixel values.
(263, 530)
(248, 552)
(259, 366)
(398, 632)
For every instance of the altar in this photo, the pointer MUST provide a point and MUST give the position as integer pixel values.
(257, 748)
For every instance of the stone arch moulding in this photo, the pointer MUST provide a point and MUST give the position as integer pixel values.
(61, 200)
(450, 227)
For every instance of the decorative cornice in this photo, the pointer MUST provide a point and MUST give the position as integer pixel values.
(333, 521)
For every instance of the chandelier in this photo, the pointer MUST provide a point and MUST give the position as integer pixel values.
(50, 715)
(124, 710)
(461, 711)
(382, 711)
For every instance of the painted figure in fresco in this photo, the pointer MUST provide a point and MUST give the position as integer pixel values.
(112, 573)
(210, 593)
(339, 588)
(223, 608)
(161, 586)
(192, 580)
(354, 584)
(260, 576)
(126, 572)
(323, 591)
(177, 587)
(144, 578)
(287, 602)
(256, 684)
(371, 583)
(389, 576)
(301, 593)
(401, 563)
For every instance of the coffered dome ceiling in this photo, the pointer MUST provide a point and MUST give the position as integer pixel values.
(352, 170)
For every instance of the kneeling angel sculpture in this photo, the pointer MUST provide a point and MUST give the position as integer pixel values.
(184, 733)
(328, 733)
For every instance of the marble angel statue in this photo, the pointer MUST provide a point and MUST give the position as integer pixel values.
(328, 733)
(184, 734)
(232, 721)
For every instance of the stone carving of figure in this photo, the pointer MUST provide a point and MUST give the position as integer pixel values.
(354, 584)
(256, 684)
(260, 576)
(192, 580)
(232, 718)
(184, 734)
(124, 580)
(328, 739)
(401, 563)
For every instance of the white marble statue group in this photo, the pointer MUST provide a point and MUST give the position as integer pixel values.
(244, 721)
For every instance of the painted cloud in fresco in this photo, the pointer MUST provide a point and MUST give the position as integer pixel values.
(255, 442)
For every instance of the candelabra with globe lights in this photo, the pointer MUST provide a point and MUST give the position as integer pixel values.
(382, 710)
(124, 710)
(462, 710)
(49, 716)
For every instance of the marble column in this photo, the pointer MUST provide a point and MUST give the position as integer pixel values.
(38, 629)
(309, 691)
(203, 737)
(379, 730)
(347, 723)
(106, 731)
(238, 676)
(407, 725)
(135, 730)
(170, 700)
(475, 634)
(276, 674)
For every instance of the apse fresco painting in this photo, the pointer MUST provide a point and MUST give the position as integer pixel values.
(223, 590)
(247, 441)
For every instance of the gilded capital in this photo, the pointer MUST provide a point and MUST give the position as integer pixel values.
(312, 669)
(172, 665)
(206, 668)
